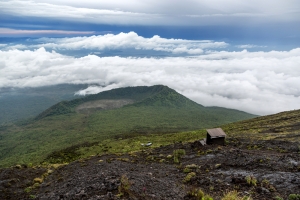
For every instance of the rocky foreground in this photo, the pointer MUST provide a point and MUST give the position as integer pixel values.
(259, 169)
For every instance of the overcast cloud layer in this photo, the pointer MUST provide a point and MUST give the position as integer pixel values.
(157, 12)
(256, 82)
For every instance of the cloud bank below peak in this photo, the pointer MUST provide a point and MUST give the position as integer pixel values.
(256, 82)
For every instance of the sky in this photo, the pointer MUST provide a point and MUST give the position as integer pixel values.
(236, 54)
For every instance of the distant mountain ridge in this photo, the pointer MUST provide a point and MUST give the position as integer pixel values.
(23, 103)
(158, 95)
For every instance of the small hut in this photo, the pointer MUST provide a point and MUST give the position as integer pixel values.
(215, 136)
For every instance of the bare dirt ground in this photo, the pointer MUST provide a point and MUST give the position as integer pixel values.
(271, 167)
(92, 106)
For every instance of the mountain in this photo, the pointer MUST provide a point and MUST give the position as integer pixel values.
(158, 95)
(122, 112)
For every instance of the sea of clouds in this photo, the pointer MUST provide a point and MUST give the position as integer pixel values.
(256, 82)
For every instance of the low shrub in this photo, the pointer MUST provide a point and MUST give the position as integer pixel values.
(189, 176)
(38, 180)
(278, 198)
(234, 195)
(198, 194)
(187, 170)
(28, 189)
(251, 180)
(124, 186)
(294, 197)
(192, 166)
(177, 154)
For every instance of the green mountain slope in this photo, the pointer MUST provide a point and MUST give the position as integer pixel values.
(64, 107)
(156, 109)
(281, 126)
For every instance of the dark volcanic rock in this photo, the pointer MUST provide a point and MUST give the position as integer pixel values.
(152, 174)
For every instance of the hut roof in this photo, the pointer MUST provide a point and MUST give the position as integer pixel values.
(216, 132)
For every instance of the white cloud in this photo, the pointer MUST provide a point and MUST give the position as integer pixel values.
(130, 41)
(10, 32)
(15, 46)
(155, 12)
(256, 82)
(249, 46)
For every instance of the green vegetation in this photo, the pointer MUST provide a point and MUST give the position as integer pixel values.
(124, 186)
(38, 180)
(135, 93)
(251, 180)
(198, 194)
(32, 196)
(281, 126)
(278, 198)
(231, 195)
(158, 96)
(234, 195)
(189, 176)
(177, 155)
(291, 197)
(294, 197)
(61, 135)
(113, 146)
(189, 168)
(68, 154)
(65, 149)
(266, 184)
(28, 189)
